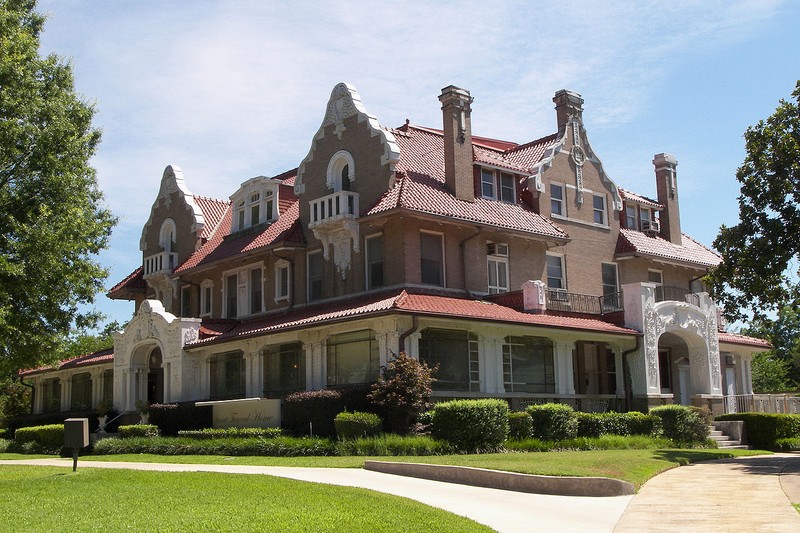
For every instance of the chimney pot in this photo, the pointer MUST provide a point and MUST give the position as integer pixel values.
(457, 138)
(667, 187)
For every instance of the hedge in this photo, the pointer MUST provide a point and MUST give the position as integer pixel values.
(631, 423)
(682, 424)
(49, 436)
(223, 433)
(138, 430)
(389, 445)
(174, 417)
(553, 421)
(314, 411)
(357, 424)
(764, 429)
(520, 425)
(275, 447)
(471, 425)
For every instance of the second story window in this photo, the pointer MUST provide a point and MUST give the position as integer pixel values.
(231, 296)
(599, 205)
(282, 281)
(374, 262)
(630, 217)
(645, 218)
(206, 293)
(431, 258)
(255, 209)
(557, 206)
(186, 301)
(555, 272)
(656, 277)
(497, 265)
(256, 291)
(243, 292)
(315, 280)
(497, 185)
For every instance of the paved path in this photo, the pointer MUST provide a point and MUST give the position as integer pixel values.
(499, 509)
(749, 494)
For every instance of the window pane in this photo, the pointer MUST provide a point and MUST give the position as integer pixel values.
(487, 183)
(284, 370)
(230, 296)
(507, 187)
(630, 217)
(556, 199)
(254, 215)
(595, 369)
(315, 286)
(599, 203)
(528, 365)
(609, 274)
(555, 272)
(352, 358)
(375, 262)
(255, 290)
(186, 296)
(227, 376)
(431, 269)
(207, 300)
(456, 354)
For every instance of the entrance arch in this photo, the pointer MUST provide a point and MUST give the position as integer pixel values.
(148, 370)
(683, 365)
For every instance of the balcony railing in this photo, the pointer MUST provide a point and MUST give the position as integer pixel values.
(763, 403)
(160, 263)
(677, 294)
(558, 300)
(340, 205)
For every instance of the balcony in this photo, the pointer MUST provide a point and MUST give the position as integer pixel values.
(585, 304)
(341, 205)
(160, 263)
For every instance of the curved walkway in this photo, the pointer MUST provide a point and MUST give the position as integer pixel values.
(739, 494)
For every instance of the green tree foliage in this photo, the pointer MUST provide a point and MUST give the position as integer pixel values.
(52, 223)
(770, 373)
(15, 400)
(758, 251)
(778, 369)
(403, 390)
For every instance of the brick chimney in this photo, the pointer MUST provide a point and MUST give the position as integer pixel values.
(457, 126)
(568, 104)
(667, 187)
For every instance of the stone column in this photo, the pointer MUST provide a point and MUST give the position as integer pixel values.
(490, 361)
(66, 393)
(565, 374)
(254, 374)
(167, 382)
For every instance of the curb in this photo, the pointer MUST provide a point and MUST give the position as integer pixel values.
(494, 479)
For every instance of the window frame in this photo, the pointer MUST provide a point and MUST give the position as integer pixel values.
(494, 185)
(333, 363)
(497, 262)
(186, 301)
(219, 362)
(547, 362)
(206, 297)
(602, 211)
(562, 267)
(469, 362)
(442, 266)
(645, 222)
(309, 282)
(370, 261)
(283, 266)
(659, 290)
(244, 291)
(560, 202)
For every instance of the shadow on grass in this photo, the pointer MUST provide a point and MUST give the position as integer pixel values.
(761, 464)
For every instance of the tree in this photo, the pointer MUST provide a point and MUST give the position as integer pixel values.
(757, 252)
(770, 373)
(780, 367)
(403, 390)
(52, 223)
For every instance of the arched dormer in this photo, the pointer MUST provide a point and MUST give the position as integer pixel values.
(255, 203)
(167, 235)
(341, 171)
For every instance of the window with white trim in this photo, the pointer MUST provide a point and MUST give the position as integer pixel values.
(431, 253)
(599, 208)
(528, 365)
(645, 218)
(254, 203)
(498, 185)
(557, 205)
(282, 280)
(341, 171)
(456, 354)
(610, 281)
(256, 290)
(243, 292)
(630, 217)
(206, 297)
(555, 272)
(314, 273)
(374, 247)
(166, 237)
(656, 276)
(497, 266)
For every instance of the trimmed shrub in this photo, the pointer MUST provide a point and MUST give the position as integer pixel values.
(553, 421)
(50, 436)
(357, 424)
(682, 424)
(5, 445)
(764, 429)
(312, 412)
(388, 445)
(174, 417)
(520, 425)
(472, 425)
(138, 430)
(632, 423)
(224, 433)
(788, 444)
(605, 442)
(275, 447)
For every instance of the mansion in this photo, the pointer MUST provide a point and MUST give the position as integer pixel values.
(522, 270)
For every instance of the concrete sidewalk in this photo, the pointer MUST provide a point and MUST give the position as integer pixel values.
(752, 494)
(501, 510)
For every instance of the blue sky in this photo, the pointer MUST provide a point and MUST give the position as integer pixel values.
(232, 90)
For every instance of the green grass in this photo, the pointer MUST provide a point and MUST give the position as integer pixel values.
(635, 466)
(56, 499)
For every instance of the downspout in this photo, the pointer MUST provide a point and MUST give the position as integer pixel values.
(626, 371)
(463, 261)
(402, 340)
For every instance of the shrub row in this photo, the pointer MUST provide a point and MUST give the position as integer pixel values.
(631, 423)
(471, 425)
(357, 424)
(314, 411)
(765, 429)
(138, 430)
(788, 444)
(224, 433)
(553, 421)
(683, 425)
(174, 417)
(389, 444)
(274, 447)
(605, 442)
(49, 436)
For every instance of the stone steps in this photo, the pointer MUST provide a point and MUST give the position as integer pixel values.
(725, 442)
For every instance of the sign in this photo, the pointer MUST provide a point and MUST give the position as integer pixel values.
(245, 413)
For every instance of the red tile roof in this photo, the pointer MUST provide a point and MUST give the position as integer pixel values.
(632, 242)
(213, 213)
(417, 304)
(632, 197)
(735, 338)
(133, 282)
(95, 358)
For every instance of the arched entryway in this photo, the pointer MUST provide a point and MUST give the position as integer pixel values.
(147, 370)
(683, 366)
(155, 377)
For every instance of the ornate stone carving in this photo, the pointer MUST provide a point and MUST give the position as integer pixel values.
(340, 237)
(190, 336)
(172, 182)
(652, 330)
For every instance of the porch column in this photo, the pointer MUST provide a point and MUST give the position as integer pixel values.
(620, 373)
(490, 364)
(565, 377)
(167, 382)
(205, 378)
(254, 374)
(66, 394)
(747, 375)
(37, 396)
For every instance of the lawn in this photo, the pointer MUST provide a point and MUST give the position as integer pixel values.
(635, 466)
(56, 499)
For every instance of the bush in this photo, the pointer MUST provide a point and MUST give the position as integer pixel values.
(403, 390)
(174, 417)
(274, 447)
(632, 423)
(553, 421)
(386, 445)
(223, 433)
(424, 423)
(472, 425)
(765, 429)
(520, 425)
(682, 424)
(5, 445)
(50, 436)
(138, 430)
(788, 444)
(312, 412)
(606, 442)
(357, 424)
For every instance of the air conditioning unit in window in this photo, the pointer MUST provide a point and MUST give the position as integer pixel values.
(651, 227)
(496, 248)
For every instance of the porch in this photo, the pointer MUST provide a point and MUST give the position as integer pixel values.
(763, 403)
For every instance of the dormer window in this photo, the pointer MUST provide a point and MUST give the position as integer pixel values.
(497, 185)
(255, 214)
(254, 203)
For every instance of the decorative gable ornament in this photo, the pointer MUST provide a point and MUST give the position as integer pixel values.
(172, 182)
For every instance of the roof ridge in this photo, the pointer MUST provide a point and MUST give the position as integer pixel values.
(200, 196)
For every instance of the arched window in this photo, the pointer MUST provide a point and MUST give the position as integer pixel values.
(166, 238)
(341, 171)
